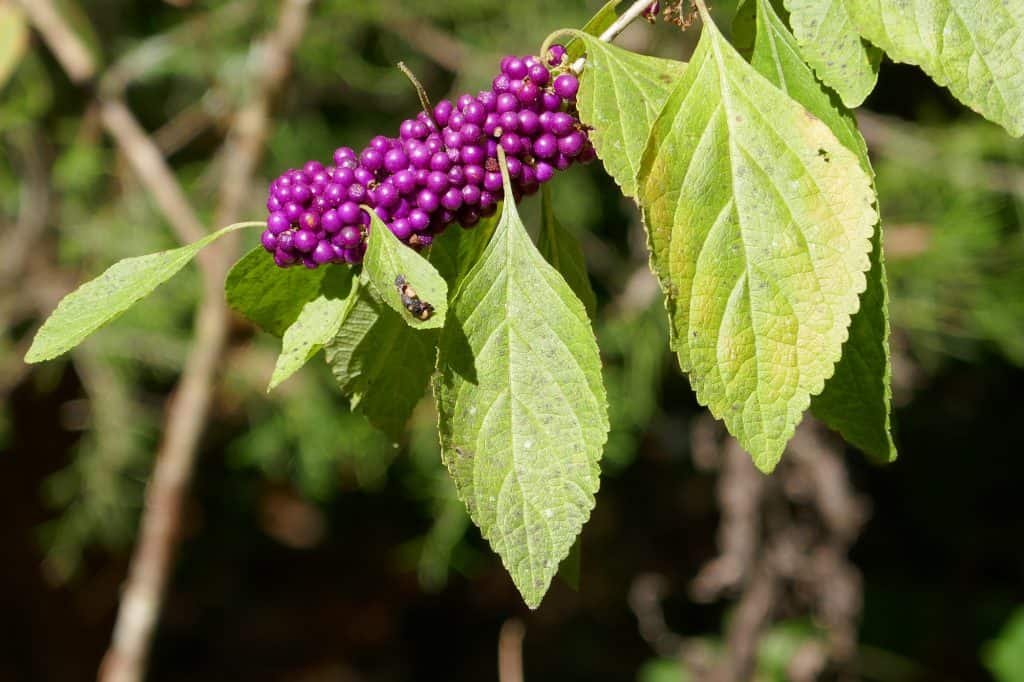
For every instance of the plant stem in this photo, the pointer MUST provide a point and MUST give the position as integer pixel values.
(612, 32)
(635, 10)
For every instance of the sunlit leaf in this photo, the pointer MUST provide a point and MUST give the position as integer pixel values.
(523, 414)
(267, 295)
(103, 299)
(973, 47)
(621, 94)
(317, 323)
(380, 362)
(388, 259)
(831, 44)
(857, 399)
(760, 223)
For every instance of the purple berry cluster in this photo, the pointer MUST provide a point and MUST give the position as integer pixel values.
(442, 167)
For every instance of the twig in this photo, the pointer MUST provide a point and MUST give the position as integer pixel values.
(159, 535)
(157, 177)
(70, 51)
(620, 24)
(510, 651)
(441, 46)
(624, 20)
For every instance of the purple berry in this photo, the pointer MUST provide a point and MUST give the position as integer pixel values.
(539, 75)
(283, 259)
(350, 236)
(475, 112)
(474, 173)
(510, 143)
(472, 156)
(305, 240)
(442, 110)
(470, 133)
(550, 101)
(492, 182)
(556, 53)
(292, 211)
(501, 84)
(427, 200)
(323, 253)
(331, 221)
(401, 229)
(395, 160)
(372, 158)
(342, 154)
(560, 124)
(566, 86)
(440, 162)
(572, 144)
(418, 219)
(544, 171)
(437, 182)
(452, 199)
(419, 157)
(529, 93)
(269, 240)
(349, 212)
(506, 102)
(529, 123)
(363, 176)
(277, 223)
(470, 195)
(404, 181)
(545, 146)
(516, 69)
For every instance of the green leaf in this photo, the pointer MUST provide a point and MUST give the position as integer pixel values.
(317, 323)
(744, 27)
(380, 362)
(105, 298)
(1004, 656)
(456, 251)
(597, 25)
(388, 259)
(561, 248)
(523, 413)
(621, 94)
(831, 45)
(857, 399)
(270, 296)
(13, 39)
(973, 47)
(760, 223)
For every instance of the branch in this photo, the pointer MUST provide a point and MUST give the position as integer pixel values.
(70, 51)
(160, 531)
(510, 651)
(159, 537)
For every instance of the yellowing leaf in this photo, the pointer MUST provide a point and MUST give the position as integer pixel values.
(760, 223)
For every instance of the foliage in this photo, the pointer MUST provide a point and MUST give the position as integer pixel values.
(764, 233)
(1004, 656)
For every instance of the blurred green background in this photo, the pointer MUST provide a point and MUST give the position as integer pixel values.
(316, 549)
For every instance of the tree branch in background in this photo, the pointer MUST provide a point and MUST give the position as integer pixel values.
(160, 531)
(510, 651)
(784, 542)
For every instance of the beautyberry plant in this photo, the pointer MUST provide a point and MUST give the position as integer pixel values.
(757, 194)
